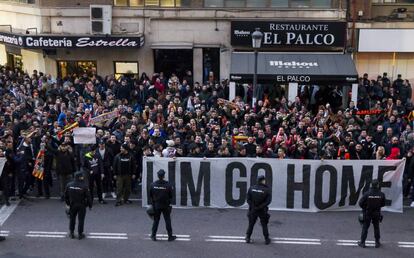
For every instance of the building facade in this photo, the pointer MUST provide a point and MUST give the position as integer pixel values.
(63, 37)
(382, 36)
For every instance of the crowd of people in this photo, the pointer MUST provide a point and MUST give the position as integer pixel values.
(176, 117)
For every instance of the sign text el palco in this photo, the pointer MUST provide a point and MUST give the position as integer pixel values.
(296, 185)
(292, 34)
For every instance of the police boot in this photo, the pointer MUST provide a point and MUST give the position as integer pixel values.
(267, 241)
(71, 235)
(81, 236)
(2, 238)
(248, 240)
(172, 238)
(153, 238)
(377, 244)
(361, 244)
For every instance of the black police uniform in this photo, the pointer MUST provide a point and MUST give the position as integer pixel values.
(160, 196)
(77, 197)
(258, 197)
(371, 203)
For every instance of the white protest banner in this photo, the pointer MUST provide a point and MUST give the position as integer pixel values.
(84, 135)
(2, 162)
(297, 185)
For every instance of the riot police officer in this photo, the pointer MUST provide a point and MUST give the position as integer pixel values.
(77, 197)
(259, 197)
(160, 196)
(371, 203)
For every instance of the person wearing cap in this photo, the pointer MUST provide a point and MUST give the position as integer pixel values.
(77, 197)
(258, 198)
(124, 170)
(371, 203)
(160, 196)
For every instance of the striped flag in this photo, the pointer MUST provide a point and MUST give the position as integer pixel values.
(66, 129)
(38, 170)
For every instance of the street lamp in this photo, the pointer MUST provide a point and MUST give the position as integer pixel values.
(257, 37)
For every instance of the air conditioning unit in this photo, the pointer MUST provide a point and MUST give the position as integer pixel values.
(101, 19)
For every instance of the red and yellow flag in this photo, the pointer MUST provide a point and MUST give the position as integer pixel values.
(38, 170)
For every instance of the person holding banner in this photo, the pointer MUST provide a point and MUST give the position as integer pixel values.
(371, 204)
(259, 197)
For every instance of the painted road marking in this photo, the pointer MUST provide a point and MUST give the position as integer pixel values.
(225, 237)
(6, 211)
(108, 234)
(46, 234)
(166, 238)
(297, 242)
(108, 237)
(276, 240)
(406, 244)
(353, 243)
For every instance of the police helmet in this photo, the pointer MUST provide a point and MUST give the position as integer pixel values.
(261, 178)
(79, 176)
(375, 184)
(150, 211)
(161, 173)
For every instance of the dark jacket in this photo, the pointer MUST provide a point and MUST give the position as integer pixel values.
(259, 197)
(372, 201)
(124, 164)
(77, 194)
(107, 159)
(161, 194)
(94, 164)
(65, 161)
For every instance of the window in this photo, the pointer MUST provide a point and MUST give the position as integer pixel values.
(279, 3)
(125, 67)
(256, 3)
(78, 68)
(269, 3)
(136, 2)
(153, 3)
(120, 2)
(20, 1)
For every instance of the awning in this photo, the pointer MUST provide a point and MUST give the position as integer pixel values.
(172, 45)
(294, 67)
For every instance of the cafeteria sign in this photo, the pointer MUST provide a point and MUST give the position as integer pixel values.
(59, 41)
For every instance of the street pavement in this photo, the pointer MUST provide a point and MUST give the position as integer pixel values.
(38, 228)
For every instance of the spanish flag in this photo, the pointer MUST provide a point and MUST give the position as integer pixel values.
(38, 170)
(410, 116)
(239, 138)
(66, 129)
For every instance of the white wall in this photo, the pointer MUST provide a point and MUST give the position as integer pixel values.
(3, 55)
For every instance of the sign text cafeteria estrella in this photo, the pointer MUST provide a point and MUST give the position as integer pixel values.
(291, 34)
(53, 41)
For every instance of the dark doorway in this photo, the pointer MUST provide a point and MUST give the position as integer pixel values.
(171, 61)
(211, 65)
(72, 68)
(14, 61)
